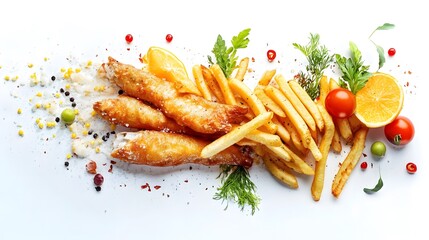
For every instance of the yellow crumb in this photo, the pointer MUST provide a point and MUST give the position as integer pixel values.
(21, 132)
(19, 111)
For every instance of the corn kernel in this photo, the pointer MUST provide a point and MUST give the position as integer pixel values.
(57, 95)
(89, 63)
(92, 142)
(73, 135)
(19, 111)
(78, 70)
(93, 113)
(47, 105)
(76, 112)
(51, 124)
(66, 75)
(97, 150)
(68, 156)
(38, 120)
(84, 132)
(87, 125)
(7, 78)
(67, 86)
(38, 105)
(63, 70)
(39, 94)
(41, 125)
(21, 132)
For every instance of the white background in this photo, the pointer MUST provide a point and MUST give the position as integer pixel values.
(40, 199)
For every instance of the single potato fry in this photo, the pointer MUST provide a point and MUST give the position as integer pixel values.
(291, 160)
(212, 84)
(223, 84)
(281, 130)
(324, 89)
(336, 142)
(296, 102)
(242, 69)
(200, 82)
(308, 103)
(268, 102)
(235, 135)
(281, 172)
(264, 138)
(349, 162)
(294, 135)
(266, 77)
(325, 145)
(355, 123)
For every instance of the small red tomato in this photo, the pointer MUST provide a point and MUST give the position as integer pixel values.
(391, 52)
(364, 165)
(169, 37)
(271, 55)
(411, 168)
(340, 103)
(400, 131)
(129, 38)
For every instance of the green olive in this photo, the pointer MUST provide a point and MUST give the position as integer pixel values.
(68, 115)
(378, 149)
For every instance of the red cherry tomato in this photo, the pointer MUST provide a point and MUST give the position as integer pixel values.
(271, 55)
(400, 131)
(391, 52)
(340, 103)
(364, 165)
(411, 168)
(129, 38)
(169, 37)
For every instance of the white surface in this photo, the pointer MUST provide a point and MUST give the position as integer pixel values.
(40, 199)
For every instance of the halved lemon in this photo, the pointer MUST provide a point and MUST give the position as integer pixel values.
(164, 64)
(380, 101)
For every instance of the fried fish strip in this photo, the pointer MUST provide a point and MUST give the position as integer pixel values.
(188, 110)
(133, 113)
(162, 149)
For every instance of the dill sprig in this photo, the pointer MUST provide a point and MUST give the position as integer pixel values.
(237, 187)
(318, 58)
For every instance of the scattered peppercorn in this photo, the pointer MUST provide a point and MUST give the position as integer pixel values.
(120, 92)
(66, 164)
(98, 188)
(90, 132)
(53, 78)
(72, 99)
(61, 90)
(95, 135)
(74, 104)
(57, 119)
(67, 93)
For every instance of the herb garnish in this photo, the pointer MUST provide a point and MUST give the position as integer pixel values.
(355, 74)
(226, 57)
(237, 186)
(318, 58)
(376, 188)
(235, 180)
(380, 50)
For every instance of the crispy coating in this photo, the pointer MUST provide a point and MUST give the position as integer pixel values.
(133, 113)
(156, 148)
(188, 110)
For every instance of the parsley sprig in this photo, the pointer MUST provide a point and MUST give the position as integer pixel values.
(318, 58)
(355, 73)
(226, 56)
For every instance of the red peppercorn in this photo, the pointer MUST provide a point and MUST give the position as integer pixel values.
(129, 38)
(98, 179)
(411, 168)
(363, 165)
(391, 52)
(271, 55)
(169, 37)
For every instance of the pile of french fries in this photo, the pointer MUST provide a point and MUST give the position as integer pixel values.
(292, 133)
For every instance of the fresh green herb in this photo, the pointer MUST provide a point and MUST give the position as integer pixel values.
(318, 58)
(237, 186)
(376, 188)
(380, 50)
(226, 56)
(355, 74)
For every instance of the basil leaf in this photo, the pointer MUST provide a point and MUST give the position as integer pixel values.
(386, 26)
(381, 58)
(376, 188)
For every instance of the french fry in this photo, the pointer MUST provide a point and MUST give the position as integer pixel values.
(324, 89)
(336, 142)
(296, 119)
(266, 77)
(281, 130)
(290, 159)
(325, 145)
(342, 124)
(212, 84)
(223, 84)
(281, 172)
(294, 135)
(255, 104)
(295, 101)
(355, 123)
(235, 135)
(200, 82)
(264, 138)
(308, 103)
(242, 68)
(349, 162)
(268, 102)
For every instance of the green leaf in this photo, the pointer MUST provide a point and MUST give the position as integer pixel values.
(241, 40)
(381, 58)
(376, 188)
(386, 26)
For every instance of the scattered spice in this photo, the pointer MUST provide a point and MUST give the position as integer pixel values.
(91, 167)
(98, 179)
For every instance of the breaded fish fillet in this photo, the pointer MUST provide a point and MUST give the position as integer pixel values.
(188, 110)
(133, 113)
(155, 148)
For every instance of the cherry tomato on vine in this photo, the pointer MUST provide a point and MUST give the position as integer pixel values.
(340, 103)
(271, 55)
(411, 167)
(400, 131)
